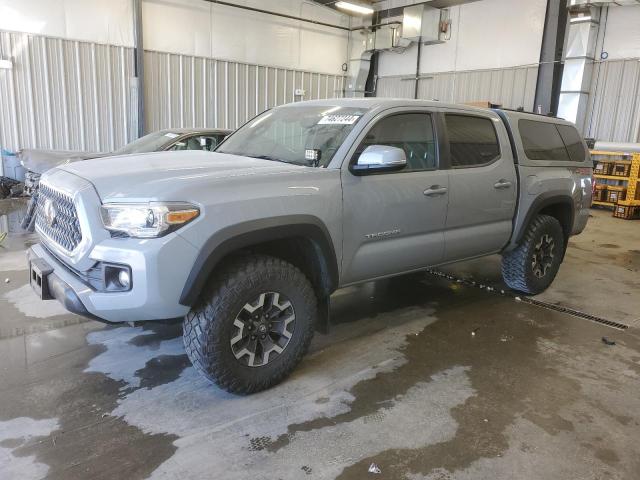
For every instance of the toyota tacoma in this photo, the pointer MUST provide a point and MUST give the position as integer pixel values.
(247, 244)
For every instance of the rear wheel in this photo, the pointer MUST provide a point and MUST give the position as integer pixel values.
(532, 266)
(253, 324)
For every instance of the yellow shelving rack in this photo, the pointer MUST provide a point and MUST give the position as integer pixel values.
(629, 206)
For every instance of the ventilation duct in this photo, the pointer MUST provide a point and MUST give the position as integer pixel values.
(420, 23)
(578, 65)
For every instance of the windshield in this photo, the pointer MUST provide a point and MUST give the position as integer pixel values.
(149, 143)
(305, 135)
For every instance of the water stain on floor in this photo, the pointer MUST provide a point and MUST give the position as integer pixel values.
(86, 440)
(608, 245)
(513, 379)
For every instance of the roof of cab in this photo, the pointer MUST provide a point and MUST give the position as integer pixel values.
(374, 102)
(515, 115)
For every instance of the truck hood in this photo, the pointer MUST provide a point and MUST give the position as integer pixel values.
(159, 175)
(39, 161)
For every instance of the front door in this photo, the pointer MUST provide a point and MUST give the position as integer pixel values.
(394, 221)
(482, 186)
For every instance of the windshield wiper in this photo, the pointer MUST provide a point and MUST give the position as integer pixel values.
(273, 159)
(267, 157)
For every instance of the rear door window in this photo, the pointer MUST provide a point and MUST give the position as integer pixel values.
(472, 141)
(548, 141)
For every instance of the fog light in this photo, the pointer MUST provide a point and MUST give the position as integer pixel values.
(124, 278)
(117, 278)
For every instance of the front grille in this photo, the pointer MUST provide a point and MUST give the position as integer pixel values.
(57, 219)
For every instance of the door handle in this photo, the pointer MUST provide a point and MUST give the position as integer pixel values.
(435, 190)
(502, 184)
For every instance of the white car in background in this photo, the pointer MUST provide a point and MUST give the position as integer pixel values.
(36, 162)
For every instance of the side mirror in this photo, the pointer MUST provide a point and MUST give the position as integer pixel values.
(379, 158)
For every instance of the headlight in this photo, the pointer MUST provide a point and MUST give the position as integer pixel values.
(147, 220)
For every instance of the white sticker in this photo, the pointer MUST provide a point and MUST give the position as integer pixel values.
(339, 120)
(171, 135)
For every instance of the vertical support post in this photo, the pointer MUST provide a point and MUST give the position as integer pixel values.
(551, 67)
(419, 54)
(138, 66)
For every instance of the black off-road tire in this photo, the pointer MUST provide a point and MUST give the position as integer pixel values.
(209, 327)
(517, 269)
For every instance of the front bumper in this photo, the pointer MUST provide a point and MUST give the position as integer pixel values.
(54, 288)
(158, 270)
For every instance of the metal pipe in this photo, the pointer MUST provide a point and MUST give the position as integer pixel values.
(276, 14)
(138, 65)
(617, 147)
(300, 19)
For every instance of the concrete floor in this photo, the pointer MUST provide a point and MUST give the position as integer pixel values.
(427, 378)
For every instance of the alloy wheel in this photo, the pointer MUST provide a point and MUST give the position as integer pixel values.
(543, 255)
(263, 329)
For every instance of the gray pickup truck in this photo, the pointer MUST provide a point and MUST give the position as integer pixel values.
(248, 243)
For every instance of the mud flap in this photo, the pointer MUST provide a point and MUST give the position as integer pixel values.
(323, 323)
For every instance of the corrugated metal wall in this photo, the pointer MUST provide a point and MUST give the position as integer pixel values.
(64, 94)
(71, 95)
(223, 94)
(614, 103)
(510, 87)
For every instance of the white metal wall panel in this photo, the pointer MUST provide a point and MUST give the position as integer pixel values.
(222, 94)
(622, 35)
(209, 30)
(491, 34)
(614, 102)
(100, 21)
(509, 87)
(64, 94)
(395, 87)
(71, 95)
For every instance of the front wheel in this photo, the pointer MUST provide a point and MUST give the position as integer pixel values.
(533, 265)
(253, 324)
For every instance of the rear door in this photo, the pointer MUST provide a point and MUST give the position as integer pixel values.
(482, 185)
(394, 221)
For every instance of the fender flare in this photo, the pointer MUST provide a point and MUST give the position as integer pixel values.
(542, 201)
(246, 234)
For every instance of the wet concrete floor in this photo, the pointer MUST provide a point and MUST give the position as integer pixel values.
(426, 377)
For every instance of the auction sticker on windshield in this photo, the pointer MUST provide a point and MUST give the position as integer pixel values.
(338, 119)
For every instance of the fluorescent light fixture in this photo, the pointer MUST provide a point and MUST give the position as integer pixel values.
(355, 7)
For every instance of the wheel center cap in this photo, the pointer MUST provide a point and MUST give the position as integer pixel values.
(262, 328)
